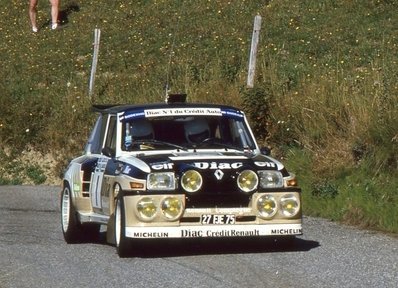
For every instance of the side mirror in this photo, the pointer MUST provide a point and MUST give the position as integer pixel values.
(265, 151)
(107, 151)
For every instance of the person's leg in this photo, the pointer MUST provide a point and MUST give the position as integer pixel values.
(33, 14)
(54, 13)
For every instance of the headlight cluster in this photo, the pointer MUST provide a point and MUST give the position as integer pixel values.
(268, 205)
(161, 181)
(169, 208)
(247, 180)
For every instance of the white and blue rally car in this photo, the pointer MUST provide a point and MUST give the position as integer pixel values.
(176, 170)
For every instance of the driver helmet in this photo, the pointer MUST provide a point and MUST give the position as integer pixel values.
(197, 130)
(141, 129)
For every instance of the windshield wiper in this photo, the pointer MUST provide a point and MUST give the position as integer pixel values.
(158, 142)
(216, 142)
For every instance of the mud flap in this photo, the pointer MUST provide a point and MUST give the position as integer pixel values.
(110, 231)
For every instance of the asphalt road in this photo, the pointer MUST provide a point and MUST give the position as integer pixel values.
(34, 254)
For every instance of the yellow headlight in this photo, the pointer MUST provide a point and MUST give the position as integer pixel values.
(146, 208)
(267, 206)
(191, 181)
(247, 180)
(290, 205)
(172, 208)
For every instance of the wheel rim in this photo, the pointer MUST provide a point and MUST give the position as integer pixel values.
(65, 209)
(118, 223)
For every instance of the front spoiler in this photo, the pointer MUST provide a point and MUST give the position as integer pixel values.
(214, 231)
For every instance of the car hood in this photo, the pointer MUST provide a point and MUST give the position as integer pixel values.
(224, 160)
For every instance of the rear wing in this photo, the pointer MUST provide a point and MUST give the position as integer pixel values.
(103, 107)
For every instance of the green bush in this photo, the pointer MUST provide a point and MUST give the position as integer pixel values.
(257, 104)
(36, 174)
(324, 190)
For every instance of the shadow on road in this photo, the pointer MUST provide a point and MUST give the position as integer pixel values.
(188, 247)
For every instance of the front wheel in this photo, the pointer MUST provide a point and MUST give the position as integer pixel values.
(122, 242)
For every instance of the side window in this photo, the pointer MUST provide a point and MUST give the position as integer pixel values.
(96, 138)
(110, 141)
(242, 135)
(221, 130)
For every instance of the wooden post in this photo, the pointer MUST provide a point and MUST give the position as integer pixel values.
(97, 36)
(253, 51)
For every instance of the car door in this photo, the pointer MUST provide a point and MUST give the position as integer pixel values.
(98, 186)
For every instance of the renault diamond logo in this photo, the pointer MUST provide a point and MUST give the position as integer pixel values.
(219, 174)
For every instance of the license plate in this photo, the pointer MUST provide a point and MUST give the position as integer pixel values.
(217, 219)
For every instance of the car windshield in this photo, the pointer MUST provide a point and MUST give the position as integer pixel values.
(186, 132)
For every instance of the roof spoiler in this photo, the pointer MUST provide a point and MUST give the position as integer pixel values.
(171, 98)
(102, 107)
(176, 98)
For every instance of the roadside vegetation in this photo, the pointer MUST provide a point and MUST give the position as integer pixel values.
(325, 98)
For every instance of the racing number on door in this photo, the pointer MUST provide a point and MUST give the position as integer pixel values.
(97, 182)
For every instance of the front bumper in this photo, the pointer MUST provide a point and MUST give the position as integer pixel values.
(214, 231)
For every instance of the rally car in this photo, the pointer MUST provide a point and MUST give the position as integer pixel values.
(176, 170)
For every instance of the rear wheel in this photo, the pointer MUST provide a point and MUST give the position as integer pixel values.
(73, 230)
(71, 227)
(122, 242)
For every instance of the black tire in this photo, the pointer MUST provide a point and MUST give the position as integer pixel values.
(122, 242)
(71, 227)
(73, 230)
